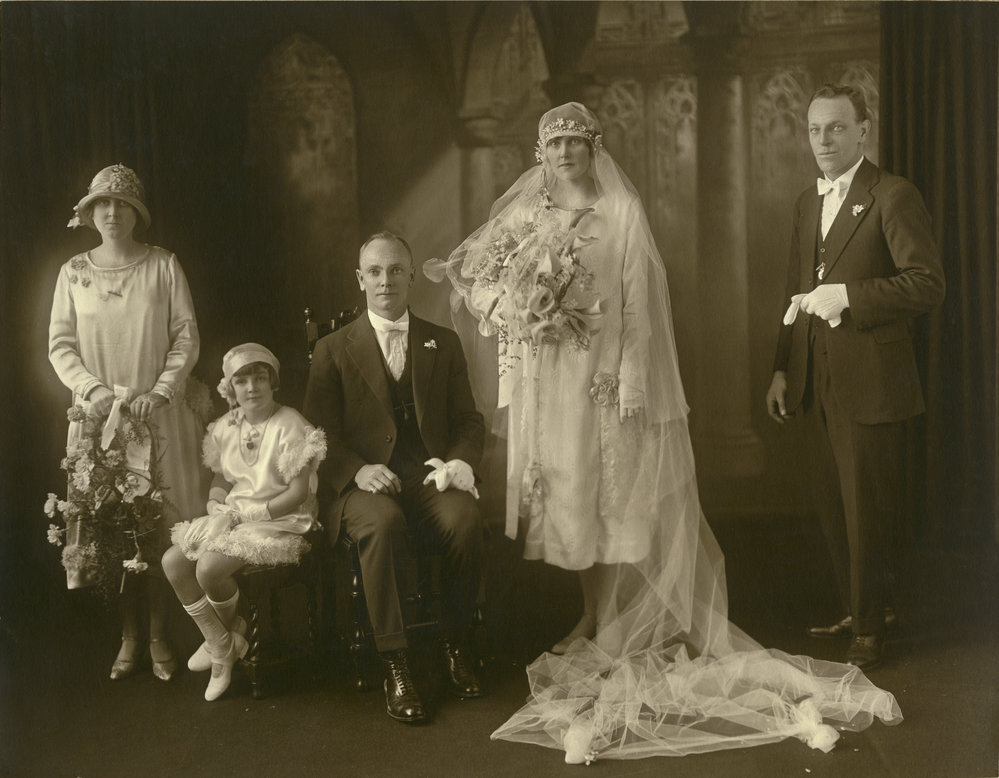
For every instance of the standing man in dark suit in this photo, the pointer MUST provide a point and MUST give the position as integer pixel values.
(863, 264)
(391, 390)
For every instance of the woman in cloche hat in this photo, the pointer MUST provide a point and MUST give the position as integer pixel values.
(123, 339)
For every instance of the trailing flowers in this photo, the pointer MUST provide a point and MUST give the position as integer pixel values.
(113, 503)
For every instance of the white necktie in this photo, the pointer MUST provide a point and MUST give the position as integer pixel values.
(396, 341)
(830, 205)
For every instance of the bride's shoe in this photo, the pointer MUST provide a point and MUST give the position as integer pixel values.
(586, 628)
(162, 668)
(222, 667)
(127, 661)
(202, 660)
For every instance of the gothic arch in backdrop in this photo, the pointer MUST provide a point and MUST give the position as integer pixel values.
(301, 152)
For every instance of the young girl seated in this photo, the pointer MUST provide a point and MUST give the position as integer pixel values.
(260, 505)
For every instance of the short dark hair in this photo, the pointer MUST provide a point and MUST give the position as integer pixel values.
(252, 367)
(385, 235)
(832, 91)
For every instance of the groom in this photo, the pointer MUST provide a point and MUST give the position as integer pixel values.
(392, 393)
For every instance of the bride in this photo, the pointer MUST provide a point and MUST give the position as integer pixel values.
(561, 300)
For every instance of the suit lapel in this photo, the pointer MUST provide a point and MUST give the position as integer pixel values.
(854, 210)
(422, 358)
(366, 354)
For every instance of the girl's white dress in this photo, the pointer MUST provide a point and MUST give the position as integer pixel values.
(288, 444)
(134, 327)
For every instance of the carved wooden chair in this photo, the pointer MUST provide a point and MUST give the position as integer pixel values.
(261, 587)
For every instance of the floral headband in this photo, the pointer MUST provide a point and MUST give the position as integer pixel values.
(562, 127)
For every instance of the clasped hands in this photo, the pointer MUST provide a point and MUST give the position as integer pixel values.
(454, 474)
(827, 301)
(101, 399)
(222, 516)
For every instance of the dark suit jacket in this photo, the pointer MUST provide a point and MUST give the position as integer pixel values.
(881, 246)
(348, 396)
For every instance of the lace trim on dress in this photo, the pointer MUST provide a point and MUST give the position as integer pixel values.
(211, 455)
(308, 452)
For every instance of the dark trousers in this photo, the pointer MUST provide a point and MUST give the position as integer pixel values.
(858, 474)
(381, 526)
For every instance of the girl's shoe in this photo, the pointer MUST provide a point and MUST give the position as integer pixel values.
(222, 667)
(202, 660)
(162, 668)
(128, 659)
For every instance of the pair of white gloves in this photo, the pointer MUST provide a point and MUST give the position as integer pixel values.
(454, 474)
(827, 301)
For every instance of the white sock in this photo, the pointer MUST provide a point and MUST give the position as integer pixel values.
(226, 609)
(211, 626)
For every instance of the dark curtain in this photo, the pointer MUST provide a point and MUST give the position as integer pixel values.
(72, 103)
(938, 129)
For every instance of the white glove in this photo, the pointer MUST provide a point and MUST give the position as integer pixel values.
(210, 526)
(483, 301)
(630, 398)
(792, 310)
(456, 474)
(827, 301)
(256, 512)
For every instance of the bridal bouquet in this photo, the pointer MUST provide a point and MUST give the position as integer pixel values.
(528, 285)
(113, 502)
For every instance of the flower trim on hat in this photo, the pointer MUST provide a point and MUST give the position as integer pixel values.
(224, 392)
(562, 127)
(125, 181)
(308, 452)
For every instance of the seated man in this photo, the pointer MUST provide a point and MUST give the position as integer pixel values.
(392, 392)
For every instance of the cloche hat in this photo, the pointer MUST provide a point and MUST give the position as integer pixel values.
(239, 357)
(113, 181)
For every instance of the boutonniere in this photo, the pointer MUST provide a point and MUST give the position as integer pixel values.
(430, 344)
(858, 209)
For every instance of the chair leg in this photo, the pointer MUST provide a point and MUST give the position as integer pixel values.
(359, 610)
(312, 614)
(251, 662)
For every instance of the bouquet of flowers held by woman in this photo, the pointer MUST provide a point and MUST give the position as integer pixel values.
(113, 502)
(527, 284)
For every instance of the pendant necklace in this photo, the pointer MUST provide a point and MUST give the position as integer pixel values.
(253, 437)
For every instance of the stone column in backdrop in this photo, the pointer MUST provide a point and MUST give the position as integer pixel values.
(726, 443)
(477, 177)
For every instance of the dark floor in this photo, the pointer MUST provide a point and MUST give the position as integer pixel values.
(61, 716)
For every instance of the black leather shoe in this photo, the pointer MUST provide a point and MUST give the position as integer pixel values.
(844, 627)
(402, 701)
(461, 679)
(865, 651)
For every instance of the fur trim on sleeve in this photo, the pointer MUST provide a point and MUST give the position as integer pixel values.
(308, 452)
(211, 454)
